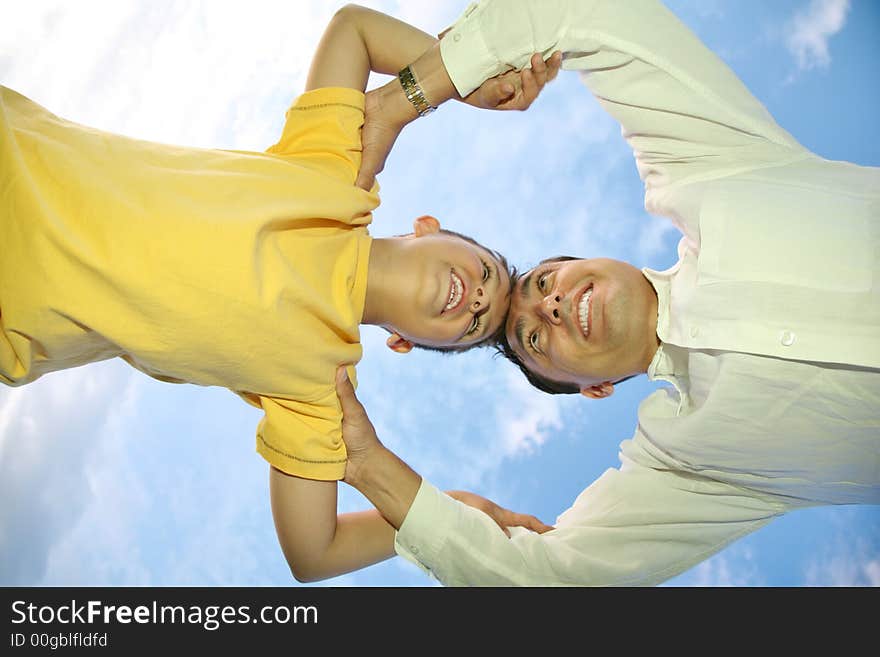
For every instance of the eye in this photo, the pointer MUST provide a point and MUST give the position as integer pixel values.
(487, 271)
(533, 342)
(475, 325)
(542, 282)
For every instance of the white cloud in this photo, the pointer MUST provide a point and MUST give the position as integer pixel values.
(735, 567)
(654, 238)
(847, 563)
(52, 431)
(849, 554)
(526, 417)
(810, 30)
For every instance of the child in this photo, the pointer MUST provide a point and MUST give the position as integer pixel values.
(250, 271)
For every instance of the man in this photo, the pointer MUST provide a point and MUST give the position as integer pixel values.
(766, 328)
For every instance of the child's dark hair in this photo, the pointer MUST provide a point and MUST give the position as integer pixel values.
(491, 339)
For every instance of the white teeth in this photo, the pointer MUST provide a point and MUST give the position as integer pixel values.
(455, 291)
(584, 311)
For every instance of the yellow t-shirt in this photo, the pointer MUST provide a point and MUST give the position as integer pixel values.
(229, 268)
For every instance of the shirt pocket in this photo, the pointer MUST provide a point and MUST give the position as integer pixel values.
(785, 235)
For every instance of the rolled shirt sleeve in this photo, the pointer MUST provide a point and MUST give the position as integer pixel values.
(635, 526)
(683, 111)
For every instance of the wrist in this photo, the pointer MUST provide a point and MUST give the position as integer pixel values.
(387, 482)
(390, 102)
(361, 466)
(414, 92)
(417, 90)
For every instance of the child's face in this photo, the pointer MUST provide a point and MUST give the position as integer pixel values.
(452, 292)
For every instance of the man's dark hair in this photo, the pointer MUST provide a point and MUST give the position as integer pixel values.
(488, 339)
(504, 348)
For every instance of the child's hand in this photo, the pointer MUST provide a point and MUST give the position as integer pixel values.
(384, 117)
(504, 518)
(516, 90)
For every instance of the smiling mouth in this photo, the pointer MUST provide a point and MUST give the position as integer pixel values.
(456, 292)
(584, 307)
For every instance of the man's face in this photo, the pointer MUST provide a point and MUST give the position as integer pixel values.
(584, 322)
(455, 292)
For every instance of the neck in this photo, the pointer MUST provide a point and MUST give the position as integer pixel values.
(653, 342)
(379, 296)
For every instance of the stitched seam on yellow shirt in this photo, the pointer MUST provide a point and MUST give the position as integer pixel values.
(324, 105)
(295, 458)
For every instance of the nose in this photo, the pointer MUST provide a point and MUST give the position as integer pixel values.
(548, 308)
(479, 300)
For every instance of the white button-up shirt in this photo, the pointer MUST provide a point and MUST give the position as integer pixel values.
(769, 322)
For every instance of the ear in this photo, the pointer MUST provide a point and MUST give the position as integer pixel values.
(398, 344)
(426, 225)
(598, 391)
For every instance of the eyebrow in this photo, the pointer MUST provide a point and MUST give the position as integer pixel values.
(519, 328)
(520, 325)
(524, 290)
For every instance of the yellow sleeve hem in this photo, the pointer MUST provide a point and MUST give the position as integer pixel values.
(331, 470)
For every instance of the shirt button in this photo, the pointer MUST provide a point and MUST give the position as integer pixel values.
(787, 338)
(414, 550)
(695, 331)
(456, 37)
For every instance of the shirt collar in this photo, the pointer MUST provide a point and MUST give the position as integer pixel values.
(670, 362)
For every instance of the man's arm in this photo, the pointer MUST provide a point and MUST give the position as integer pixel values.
(634, 526)
(683, 111)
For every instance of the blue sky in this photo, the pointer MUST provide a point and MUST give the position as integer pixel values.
(110, 478)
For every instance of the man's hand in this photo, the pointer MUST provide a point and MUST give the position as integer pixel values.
(504, 518)
(516, 90)
(387, 111)
(358, 432)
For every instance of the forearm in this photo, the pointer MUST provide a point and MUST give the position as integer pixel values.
(317, 543)
(633, 528)
(681, 108)
(391, 44)
(361, 539)
(359, 40)
(389, 483)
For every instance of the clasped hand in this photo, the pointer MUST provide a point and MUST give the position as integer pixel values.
(384, 119)
(362, 444)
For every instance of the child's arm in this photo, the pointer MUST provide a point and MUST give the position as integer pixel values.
(359, 40)
(316, 542)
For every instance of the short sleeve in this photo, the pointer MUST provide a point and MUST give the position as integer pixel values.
(323, 130)
(303, 438)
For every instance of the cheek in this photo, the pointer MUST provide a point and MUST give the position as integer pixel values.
(565, 358)
(437, 333)
(555, 360)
